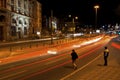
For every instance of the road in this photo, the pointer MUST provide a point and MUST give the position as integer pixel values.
(56, 66)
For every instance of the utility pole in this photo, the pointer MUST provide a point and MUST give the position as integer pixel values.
(51, 27)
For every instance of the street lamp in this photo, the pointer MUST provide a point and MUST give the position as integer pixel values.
(96, 8)
(51, 27)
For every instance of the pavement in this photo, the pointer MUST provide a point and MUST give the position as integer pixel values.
(94, 70)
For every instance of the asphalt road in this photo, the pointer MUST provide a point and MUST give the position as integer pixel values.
(53, 66)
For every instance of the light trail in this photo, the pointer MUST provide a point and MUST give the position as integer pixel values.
(115, 45)
(86, 43)
(29, 64)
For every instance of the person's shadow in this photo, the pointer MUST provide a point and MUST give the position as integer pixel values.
(100, 65)
(69, 67)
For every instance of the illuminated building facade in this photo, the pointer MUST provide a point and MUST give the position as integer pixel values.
(20, 19)
(53, 24)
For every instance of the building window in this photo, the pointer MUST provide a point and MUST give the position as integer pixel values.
(25, 23)
(13, 31)
(3, 3)
(19, 29)
(19, 6)
(2, 18)
(33, 31)
(20, 22)
(1, 33)
(14, 21)
(25, 7)
(25, 30)
(12, 8)
(19, 3)
(25, 4)
(12, 5)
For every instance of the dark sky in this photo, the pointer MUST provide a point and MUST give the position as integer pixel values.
(109, 11)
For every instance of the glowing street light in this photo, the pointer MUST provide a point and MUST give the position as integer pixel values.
(96, 8)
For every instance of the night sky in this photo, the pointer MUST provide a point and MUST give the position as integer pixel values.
(108, 13)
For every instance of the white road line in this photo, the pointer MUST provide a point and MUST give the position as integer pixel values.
(10, 75)
(80, 68)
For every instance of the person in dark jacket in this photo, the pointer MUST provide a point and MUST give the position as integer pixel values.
(74, 57)
(106, 54)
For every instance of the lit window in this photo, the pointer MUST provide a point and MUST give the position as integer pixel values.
(2, 18)
(25, 30)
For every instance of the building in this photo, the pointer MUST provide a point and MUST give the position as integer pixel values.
(20, 19)
(45, 27)
(50, 26)
(53, 24)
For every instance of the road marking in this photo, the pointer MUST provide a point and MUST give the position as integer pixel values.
(80, 68)
(10, 75)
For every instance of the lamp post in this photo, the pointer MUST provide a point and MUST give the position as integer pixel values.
(51, 27)
(96, 8)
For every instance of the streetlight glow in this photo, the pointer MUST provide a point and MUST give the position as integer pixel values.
(96, 6)
(69, 15)
(76, 17)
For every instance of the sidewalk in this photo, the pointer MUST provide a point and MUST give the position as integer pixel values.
(95, 70)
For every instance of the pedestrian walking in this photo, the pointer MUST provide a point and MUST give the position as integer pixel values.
(106, 54)
(74, 57)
